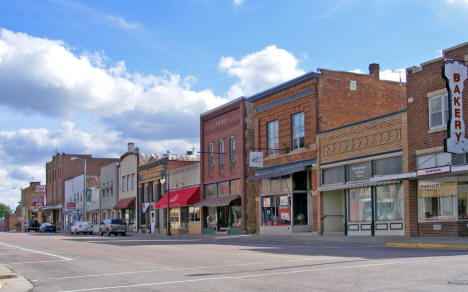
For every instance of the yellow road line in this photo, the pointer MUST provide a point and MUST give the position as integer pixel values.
(426, 245)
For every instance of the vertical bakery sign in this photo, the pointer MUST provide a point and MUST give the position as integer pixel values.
(455, 74)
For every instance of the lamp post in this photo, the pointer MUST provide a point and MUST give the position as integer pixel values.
(163, 180)
(84, 184)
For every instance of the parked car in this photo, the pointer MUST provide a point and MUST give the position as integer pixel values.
(113, 226)
(32, 225)
(47, 227)
(84, 227)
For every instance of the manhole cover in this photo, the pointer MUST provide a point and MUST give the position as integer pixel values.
(459, 282)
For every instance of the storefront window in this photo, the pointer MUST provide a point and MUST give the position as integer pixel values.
(210, 220)
(174, 218)
(236, 216)
(437, 201)
(223, 188)
(300, 209)
(210, 190)
(389, 202)
(333, 175)
(275, 210)
(184, 217)
(462, 200)
(359, 171)
(235, 187)
(194, 214)
(388, 166)
(360, 205)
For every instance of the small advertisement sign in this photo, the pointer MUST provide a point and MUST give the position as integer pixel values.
(266, 202)
(40, 189)
(256, 159)
(71, 205)
(433, 170)
(38, 201)
(144, 207)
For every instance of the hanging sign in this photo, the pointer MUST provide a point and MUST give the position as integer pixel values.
(455, 74)
(40, 189)
(256, 159)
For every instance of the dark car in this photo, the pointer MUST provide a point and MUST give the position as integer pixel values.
(47, 227)
(32, 225)
(113, 226)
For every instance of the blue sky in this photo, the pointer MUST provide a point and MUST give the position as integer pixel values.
(89, 76)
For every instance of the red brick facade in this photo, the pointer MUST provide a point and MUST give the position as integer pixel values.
(423, 82)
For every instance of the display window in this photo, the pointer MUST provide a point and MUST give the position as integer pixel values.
(211, 217)
(360, 205)
(194, 214)
(437, 201)
(389, 202)
(462, 200)
(300, 209)
(236, 216)
(179, 218)
(276, 210)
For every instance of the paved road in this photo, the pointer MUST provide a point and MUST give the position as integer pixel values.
(132, 263)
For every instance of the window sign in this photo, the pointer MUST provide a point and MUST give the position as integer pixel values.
(266, 202)
(456, 74)
(360, 171)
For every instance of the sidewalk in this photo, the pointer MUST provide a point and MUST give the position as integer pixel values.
(312, 239)
(9, 281)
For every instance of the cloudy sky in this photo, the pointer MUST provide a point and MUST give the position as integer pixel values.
(90, 76)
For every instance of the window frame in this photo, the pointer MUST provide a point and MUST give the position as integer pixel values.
(444, 111)
(210, 155)
(297, 130)
(273, 138)
(221, 152)
(232, 149)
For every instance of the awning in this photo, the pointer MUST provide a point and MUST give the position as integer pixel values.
(56, 207)
(128, 203)
(356, 185)
(217, 201)
(182, 197)
(282, 169)
(278, 173)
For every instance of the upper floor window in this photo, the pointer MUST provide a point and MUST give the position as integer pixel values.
(438, 112)
(210, 155)
(297, 131)
(272, 136)
(123, 183)
(133, 181)
(232, 153)
(221, 152)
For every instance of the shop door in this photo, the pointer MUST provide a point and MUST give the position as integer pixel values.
(153, 220)
(333, 212)
(223, 217)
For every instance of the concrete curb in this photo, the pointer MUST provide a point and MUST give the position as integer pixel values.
(12, 282)
(426, 245)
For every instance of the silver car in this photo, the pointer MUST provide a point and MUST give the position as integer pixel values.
(113, 226)
(84, 227)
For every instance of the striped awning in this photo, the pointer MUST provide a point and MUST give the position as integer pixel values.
(356, 185)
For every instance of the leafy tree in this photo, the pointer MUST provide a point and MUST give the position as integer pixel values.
(3, 209)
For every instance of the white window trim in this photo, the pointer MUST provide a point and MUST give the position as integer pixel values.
(444, 119)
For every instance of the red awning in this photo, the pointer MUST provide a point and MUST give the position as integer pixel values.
(178, 198)
(128, 203)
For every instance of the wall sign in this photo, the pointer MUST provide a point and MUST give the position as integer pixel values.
(455, 74)
(40, 189)
(433, 170)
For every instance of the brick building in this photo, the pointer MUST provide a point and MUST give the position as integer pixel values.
(32, 199)
(61, 168)
(294, 120)
(438, 192)
(284, 130)
(228, 196)
(155, 174)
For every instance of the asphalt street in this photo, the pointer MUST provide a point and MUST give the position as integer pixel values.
(62, 262)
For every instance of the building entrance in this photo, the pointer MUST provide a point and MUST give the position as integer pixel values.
(334, 212)
(223, 218)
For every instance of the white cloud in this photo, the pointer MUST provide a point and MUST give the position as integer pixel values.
(260, 70)
(392, 75)
(119, 21)
(238, 2)
(457, 1)
(36, 69)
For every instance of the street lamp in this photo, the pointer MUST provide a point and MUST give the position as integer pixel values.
(84, 184)
(163, 180)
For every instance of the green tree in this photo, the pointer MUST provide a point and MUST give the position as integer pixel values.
(3, 209)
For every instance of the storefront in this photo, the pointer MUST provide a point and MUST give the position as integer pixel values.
(364, 198)
(222, 209)
(182, 212)
(285, 200)
(126, 209)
